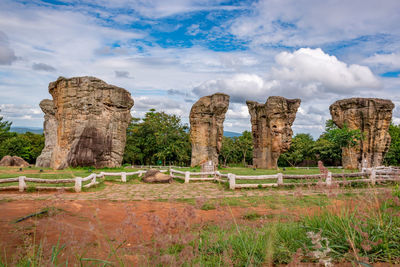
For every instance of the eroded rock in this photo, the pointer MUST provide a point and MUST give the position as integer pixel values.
(85, 123)
(155, 176)
(372, 116)
(8, 161)
(206, 127)
(50, 133)
(271, 125)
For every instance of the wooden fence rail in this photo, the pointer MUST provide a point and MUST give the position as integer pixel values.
(371, 176)
(78, 182)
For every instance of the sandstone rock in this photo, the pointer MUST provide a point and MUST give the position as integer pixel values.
(271, 128)
(8, 161)
(50, 133)
(206, 127)
(155, 176)
(85, 124)
(372, 116)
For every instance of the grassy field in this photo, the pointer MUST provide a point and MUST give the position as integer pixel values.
(46, 173)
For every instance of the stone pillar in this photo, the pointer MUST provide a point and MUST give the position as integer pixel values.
(85, 123)
(372, 116)
(206, 128)
(123, 177)
(271, 125)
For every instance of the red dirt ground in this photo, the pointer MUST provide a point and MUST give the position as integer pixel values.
(92, 228)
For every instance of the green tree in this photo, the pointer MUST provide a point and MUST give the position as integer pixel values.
(300, 150)
(158, 136)
(344, 137)
(227, 150)
(244, 145)
(392, 157)
(5, 130)
(27, 146)
(325, 148)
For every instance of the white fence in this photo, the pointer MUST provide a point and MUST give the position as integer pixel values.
(77, 181)
(367, 176)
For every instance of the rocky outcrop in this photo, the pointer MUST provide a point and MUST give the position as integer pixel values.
(155, 176)
(206, 127)
(50, 133)
(372, 117)
(85, 123)
(271, 125)
(8, 161)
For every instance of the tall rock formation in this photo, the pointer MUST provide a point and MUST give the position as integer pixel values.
(50, 133)
(85, 123)
(206, 127)
(372, 116)
(271, 125)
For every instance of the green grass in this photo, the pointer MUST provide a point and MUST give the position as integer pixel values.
(363, 235)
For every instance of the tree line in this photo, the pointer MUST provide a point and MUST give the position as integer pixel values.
(162, 139)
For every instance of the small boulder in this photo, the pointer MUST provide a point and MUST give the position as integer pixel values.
(7, 161)
(155, 176)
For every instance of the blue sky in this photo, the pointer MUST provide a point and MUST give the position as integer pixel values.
(168, 53)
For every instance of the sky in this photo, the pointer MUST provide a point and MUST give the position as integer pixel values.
(169, 53)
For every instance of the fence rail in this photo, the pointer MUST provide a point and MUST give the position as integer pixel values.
(78, 182)
(372, 175)
(367, 176)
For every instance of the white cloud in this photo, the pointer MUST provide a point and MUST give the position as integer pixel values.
(305, 22)
(387, 61)
(313, 66)
(302, 74)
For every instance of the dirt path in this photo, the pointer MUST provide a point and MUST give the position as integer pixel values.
(172, 191)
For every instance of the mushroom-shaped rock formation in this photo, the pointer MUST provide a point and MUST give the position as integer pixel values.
(206, 127)
(85, 123)
(372, 116)
(271, 125)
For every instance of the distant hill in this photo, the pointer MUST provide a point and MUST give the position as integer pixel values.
(35, 130)
(231, 134)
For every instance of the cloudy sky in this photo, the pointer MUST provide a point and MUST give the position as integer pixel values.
(168, 53)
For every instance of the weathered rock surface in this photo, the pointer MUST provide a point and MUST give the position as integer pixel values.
(50, 133)
(370, 115)
(206, 127)
(8, 161)
(155, 176)
(85, 123)
(271, 125)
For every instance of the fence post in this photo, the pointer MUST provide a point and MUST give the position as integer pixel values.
(187, 177)
(329, 179)
(373, 176)
(280, 179)
(123, 177)
(21, 183)
(217, 175)
(78, 184)
(232, 181)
